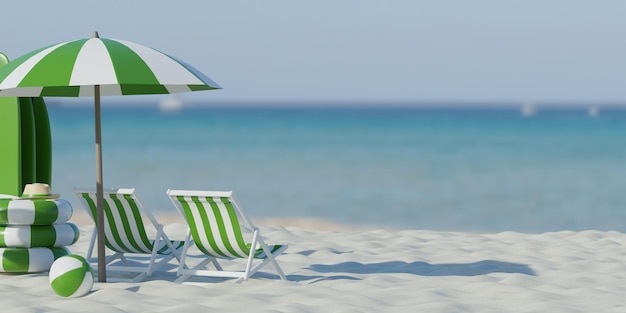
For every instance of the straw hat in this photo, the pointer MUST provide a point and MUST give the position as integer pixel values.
(38, 191)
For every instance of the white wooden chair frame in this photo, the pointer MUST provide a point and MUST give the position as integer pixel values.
(152, 248)
(269, 252)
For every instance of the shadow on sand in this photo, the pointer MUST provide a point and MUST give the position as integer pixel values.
(417, 268)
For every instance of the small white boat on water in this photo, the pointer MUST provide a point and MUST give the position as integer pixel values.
(528, 109)
(171, 104)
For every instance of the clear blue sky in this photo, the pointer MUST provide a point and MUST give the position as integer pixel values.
(355, 50)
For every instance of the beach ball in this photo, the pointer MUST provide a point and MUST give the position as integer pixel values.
(71, 276)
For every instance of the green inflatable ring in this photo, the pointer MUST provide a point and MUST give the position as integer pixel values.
(28, 236)
(34, 212)
(29, 260)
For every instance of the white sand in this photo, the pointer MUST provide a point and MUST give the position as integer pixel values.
(375, 271)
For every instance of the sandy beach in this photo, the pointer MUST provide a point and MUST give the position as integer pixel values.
(373, 270)
(423, 156)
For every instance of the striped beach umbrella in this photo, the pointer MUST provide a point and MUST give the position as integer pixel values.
(94, 67)
(118, 67)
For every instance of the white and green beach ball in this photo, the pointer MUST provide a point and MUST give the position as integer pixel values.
(71, 276)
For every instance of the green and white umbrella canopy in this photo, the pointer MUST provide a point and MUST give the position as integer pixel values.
(119, 67)
(95, 67)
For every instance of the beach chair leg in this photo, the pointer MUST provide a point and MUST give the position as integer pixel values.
(279, 270)
(253, 246)
(216, 264)
(114, 257)
(175, 253)
(272, 259)
(152, 265)
(183, 258)
(92, 242)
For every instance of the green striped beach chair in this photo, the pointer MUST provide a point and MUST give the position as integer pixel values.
(126, 236)
(214, 223)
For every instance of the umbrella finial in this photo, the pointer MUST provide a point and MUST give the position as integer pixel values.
(95, 35)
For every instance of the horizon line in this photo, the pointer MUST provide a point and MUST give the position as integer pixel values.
(168, 103)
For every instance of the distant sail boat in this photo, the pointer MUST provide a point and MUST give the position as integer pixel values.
(593, 111)
(170, 104)
(528, 109)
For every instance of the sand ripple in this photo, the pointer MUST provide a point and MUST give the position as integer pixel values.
(377, 271)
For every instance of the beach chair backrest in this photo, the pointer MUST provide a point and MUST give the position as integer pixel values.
(123, 226)
(213, 223)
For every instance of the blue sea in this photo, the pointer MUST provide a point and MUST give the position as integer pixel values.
(460, 169)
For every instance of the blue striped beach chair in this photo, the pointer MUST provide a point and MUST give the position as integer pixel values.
(126, 236)
(214, 224)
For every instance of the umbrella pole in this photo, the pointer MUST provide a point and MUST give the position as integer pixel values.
(102, 276)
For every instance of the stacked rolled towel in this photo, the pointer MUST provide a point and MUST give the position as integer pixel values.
(34, 233)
